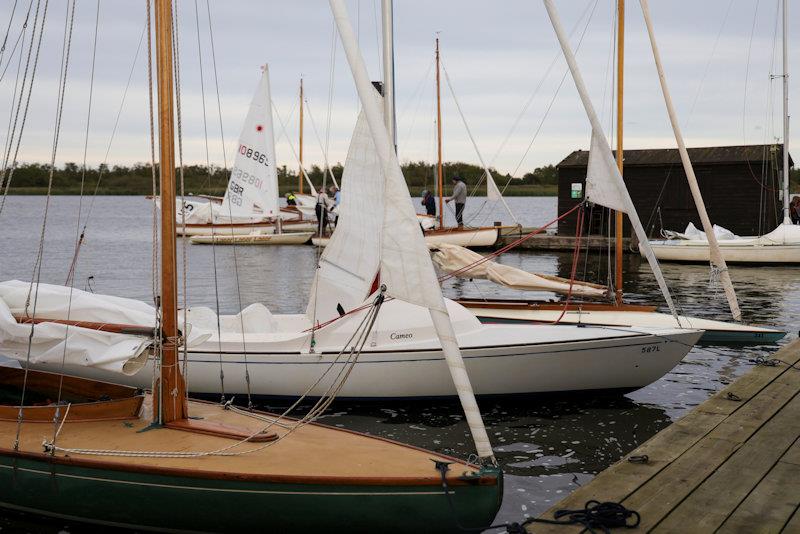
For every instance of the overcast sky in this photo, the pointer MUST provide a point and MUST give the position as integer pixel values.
(496, 53)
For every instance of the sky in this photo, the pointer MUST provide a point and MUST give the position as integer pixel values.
(502, 59)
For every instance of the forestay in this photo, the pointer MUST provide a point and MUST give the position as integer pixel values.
(253, 186)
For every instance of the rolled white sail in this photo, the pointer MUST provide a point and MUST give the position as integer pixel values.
(461, 261)
(253, 186)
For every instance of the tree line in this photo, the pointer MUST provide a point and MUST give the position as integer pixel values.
(137, 179)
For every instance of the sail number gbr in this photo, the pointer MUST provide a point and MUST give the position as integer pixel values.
(255, 155)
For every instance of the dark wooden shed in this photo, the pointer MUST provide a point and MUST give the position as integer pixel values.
(741, 186)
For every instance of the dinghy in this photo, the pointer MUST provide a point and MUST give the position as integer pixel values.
(83, 450)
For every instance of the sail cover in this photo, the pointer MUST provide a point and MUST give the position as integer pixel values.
(349, 265)
(52, 342)
(253, 185)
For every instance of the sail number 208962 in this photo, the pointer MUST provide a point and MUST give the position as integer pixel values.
(248, 152)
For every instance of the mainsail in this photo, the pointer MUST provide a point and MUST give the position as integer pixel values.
(253, 186)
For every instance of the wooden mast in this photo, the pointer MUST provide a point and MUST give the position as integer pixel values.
(439, 171)
(300, 171)
(169, 396)
(620, 78)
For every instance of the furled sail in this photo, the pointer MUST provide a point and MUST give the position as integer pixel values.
(349, 265)
(53, 342)
(462, 262)
(253, 186)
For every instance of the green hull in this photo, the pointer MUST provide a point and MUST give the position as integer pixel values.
(181, 503)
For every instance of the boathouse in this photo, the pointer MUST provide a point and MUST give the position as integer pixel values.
(741, 186)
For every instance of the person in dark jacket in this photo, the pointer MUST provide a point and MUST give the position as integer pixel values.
(429, 202)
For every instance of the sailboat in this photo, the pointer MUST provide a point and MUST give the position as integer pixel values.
(119, 457)
(250, 204)
(781, 245)
(620, 313)
(378, 244)
(254, 181)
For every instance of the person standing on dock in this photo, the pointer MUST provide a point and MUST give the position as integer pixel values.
(429, 202)
(322, 208)
(794, 210)
(460, 197)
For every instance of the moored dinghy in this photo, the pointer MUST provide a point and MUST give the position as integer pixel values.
(201, 466)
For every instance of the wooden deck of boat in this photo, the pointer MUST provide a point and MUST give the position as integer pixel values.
(325, 452)
(730, 465)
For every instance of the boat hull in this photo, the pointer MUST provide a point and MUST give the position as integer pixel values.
(489, 312)
(244, 228)
(114, 496)
(467, 237)
(288, 238)
(681, 251)
(625, 362)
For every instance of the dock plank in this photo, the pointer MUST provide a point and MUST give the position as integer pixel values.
(690, 451)
(769, 506)
(718, 496)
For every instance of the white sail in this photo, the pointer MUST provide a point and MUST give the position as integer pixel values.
(349, 265)
(601, 187)
(253, 186)
(405, 266)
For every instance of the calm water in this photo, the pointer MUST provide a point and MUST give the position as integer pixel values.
(547, 446)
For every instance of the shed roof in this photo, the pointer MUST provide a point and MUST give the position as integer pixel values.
(670, 156)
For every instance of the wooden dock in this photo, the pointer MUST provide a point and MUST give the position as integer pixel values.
(545, 241)
(730, 465)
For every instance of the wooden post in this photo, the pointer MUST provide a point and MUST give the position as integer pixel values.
(620, 78)
(169, 396)
(439, 171)
(300, 171)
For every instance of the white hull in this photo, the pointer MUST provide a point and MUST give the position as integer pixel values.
(692, 251)
(289, 238)
(244, 228)
(500, 359)
(719, 331)
(468, 237)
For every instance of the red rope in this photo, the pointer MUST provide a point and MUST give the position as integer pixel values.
(576, 253)
(508, 247)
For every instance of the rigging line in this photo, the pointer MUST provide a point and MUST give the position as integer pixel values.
(65, 65)
(8, 31)
(319, 142)
(20, 38)
(216, 85)
(532, 97)
(708, 66)
(176, 52)
(291, 146)
(555, 95)
(78, 234)
(8, 139)
(487, 172)
(208, 182)
(747, 73)
(5, 179)
(156, 280)
(114, 129)
(37, 266)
